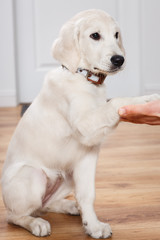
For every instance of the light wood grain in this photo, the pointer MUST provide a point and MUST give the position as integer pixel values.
(127, 185)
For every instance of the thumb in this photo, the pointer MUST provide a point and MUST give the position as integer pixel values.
(122, 111)
(130, 110)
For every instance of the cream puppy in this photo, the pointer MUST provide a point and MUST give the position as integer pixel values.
(56, 144)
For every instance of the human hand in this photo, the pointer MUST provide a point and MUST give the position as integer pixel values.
(148, 113)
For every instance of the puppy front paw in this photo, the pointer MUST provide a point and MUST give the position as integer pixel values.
(152, 97)
(98, 230)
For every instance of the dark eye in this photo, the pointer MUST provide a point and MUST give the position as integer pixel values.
(96, 36)
(116, 35)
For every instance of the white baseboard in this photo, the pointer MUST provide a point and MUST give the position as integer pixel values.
(151, 88)
(8, 98)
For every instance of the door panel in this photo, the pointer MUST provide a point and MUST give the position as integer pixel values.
(49, 17)
(37, 25)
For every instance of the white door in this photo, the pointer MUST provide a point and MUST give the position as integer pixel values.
(37, 25)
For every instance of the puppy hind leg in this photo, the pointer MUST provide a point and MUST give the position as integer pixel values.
(23, 196)
(37, 226)
(59, 204)
(64, 206)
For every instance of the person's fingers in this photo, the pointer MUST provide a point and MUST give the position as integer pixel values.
(148, 113)
(131, 110)
(151, 120)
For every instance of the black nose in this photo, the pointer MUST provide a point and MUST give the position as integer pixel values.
(117, 60)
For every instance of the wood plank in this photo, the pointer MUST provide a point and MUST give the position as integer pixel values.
(127, 185)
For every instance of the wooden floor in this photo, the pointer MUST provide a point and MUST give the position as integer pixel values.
(127, 186)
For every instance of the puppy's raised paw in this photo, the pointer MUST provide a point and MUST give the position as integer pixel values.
(153, 97)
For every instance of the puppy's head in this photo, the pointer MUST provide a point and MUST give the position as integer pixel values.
(90, 40)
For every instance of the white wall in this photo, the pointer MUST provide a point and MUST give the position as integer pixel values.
(128, 82)
(150, 46)
(7, 62)
(138, 19)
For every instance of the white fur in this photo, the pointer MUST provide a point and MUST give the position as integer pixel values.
(61, 132)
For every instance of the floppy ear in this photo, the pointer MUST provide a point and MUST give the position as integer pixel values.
(65, 49)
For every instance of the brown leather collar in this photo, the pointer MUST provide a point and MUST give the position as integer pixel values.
(96, 79)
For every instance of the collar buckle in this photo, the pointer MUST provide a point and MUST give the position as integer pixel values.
(96, 79)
